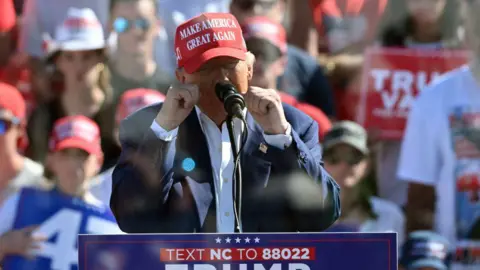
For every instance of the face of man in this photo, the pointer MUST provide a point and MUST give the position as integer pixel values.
(135, 23)
(346, 164)
(269, 63)
(9, 132)
(273, 9)
(426, 11)
(219, 69)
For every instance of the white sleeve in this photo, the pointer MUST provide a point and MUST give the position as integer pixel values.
(420, 154)
(161, 133)
(8, 213)
(31, 32)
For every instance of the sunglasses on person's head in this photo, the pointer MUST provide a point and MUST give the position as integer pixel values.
(250, 4)
(5, 125)
(348, 155)
(121, 24)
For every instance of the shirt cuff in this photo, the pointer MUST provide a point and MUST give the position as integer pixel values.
(161, 133)
(281, 141)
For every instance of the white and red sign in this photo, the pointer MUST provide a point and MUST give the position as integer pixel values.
(391, 80)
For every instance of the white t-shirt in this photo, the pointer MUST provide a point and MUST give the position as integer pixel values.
(441, 147)
(31, 175)
(390, 218)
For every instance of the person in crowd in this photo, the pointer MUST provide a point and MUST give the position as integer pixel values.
(130, 102)
(186, 148)
(132, 62)
(78, 51)
(267, 41)
(75, 156)
(440, 152)
(303, 77)
(16, 171)
(173, 13)
(346, 160)
(427, 25)
(425, 250)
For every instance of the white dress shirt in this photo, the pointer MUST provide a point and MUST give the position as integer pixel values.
(221, 157)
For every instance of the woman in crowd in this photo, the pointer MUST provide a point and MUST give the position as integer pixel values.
(346, 159)
(78, 52)
(426, 25)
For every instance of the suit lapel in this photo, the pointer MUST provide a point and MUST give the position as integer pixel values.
(192, 163)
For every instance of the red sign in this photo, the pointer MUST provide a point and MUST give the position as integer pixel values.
(391, 80)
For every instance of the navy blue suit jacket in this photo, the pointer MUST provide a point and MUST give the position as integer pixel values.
(153, 192)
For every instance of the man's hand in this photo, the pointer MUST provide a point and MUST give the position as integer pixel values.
(266, 108)
(20, 242)
(177, 106)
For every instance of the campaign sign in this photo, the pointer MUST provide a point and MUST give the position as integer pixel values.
(391, 80)
(60, 218)
(290, 251)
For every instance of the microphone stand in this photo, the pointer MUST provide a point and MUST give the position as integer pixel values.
(237, 171)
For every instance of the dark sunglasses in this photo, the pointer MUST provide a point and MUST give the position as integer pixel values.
(250, 4)
(5, 125)
(351, 157)
(122, 25)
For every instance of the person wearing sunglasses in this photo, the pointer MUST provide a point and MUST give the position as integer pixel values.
(303, 77)
(346, 157)
(16, 171)
(135, 25)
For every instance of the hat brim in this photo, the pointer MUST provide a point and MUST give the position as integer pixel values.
(436, 264)
(74, 143)
(348, 141)
(194, 63)
(77, 45)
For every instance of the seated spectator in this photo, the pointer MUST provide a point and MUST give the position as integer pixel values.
(346, 159)
(130, 102)
(16, 171)
(75, 156)
(425, 250)
(132, 62)
(267, 41)
(78, 52)
(303, 78)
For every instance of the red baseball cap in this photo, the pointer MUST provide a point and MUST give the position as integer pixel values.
(207, 36)
(135, 99)
(77, 132)
(264, 28)
(7, 15)
(12, 104)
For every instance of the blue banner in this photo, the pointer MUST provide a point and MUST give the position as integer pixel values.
(295, 251)
(60, 218)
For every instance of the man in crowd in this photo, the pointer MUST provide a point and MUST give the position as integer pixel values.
(179, 178)
(303, 77)
(16, 171)
(132, 64)
(440, 155)
(425, 250)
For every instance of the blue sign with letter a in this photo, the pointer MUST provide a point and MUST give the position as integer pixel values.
(246, 251)
(60, 218)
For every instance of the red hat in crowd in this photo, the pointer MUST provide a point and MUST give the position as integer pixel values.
(78, 132)
(207, 36)
(12, 104)
(264, 28)
(7, 15)
(135, 99)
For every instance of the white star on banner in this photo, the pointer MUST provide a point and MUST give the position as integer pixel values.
(227, 240)
(257, 240)
(247, 240)
(218, 240)
(237, 240)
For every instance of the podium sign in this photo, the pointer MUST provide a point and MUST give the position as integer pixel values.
(391, 80)
(295, 251)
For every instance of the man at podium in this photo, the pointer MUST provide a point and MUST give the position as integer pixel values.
(180, 176)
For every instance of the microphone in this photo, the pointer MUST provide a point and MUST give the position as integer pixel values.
(232, 101)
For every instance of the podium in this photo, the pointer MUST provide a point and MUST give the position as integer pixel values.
(289, 251)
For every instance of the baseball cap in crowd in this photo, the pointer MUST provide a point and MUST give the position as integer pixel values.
(7, 15)
(207, 36)
(266, 29)
(77, 132)
(12, 104)
(135, 99)
(349, 133)
(426, 249)
(80, 31)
